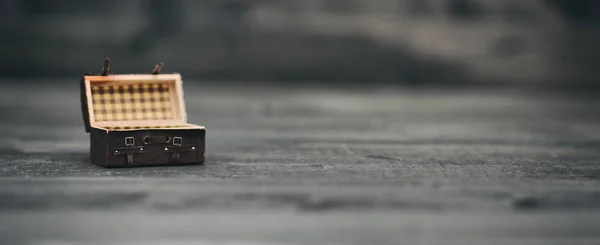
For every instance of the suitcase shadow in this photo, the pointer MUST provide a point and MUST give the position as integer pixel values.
(86, 161)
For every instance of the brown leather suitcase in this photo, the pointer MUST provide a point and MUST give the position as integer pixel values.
(139, 120)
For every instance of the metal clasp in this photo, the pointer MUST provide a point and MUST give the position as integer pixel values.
(129, 141)
(177, 140)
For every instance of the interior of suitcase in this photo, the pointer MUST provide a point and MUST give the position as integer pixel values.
(133, 102)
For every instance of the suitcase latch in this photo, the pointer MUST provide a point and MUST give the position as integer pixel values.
(129, 141)
(177, 140)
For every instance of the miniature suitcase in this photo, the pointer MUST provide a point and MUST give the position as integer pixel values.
(139, 120)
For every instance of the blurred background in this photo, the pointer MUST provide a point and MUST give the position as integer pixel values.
(445, 161)
(418, 42)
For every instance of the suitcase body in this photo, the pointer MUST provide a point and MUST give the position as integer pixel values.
(147, 147)
(139, 120)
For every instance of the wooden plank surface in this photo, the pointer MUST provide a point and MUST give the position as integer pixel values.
(313, 166)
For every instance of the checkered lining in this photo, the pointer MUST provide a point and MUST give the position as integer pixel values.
(132, 101)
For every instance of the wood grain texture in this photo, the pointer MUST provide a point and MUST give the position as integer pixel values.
(315, 166)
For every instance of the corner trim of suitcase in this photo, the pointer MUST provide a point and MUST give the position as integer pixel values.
(139, 120)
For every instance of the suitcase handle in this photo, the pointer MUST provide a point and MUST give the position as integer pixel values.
(157, 140)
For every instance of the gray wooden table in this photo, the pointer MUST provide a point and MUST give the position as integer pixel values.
(313, 166)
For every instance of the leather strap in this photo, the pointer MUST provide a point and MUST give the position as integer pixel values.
(129, 151)
(175, 150)
(129, 158)
(174, 156)
(179, 148)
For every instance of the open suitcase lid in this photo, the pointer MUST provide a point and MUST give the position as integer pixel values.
(126, 100)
